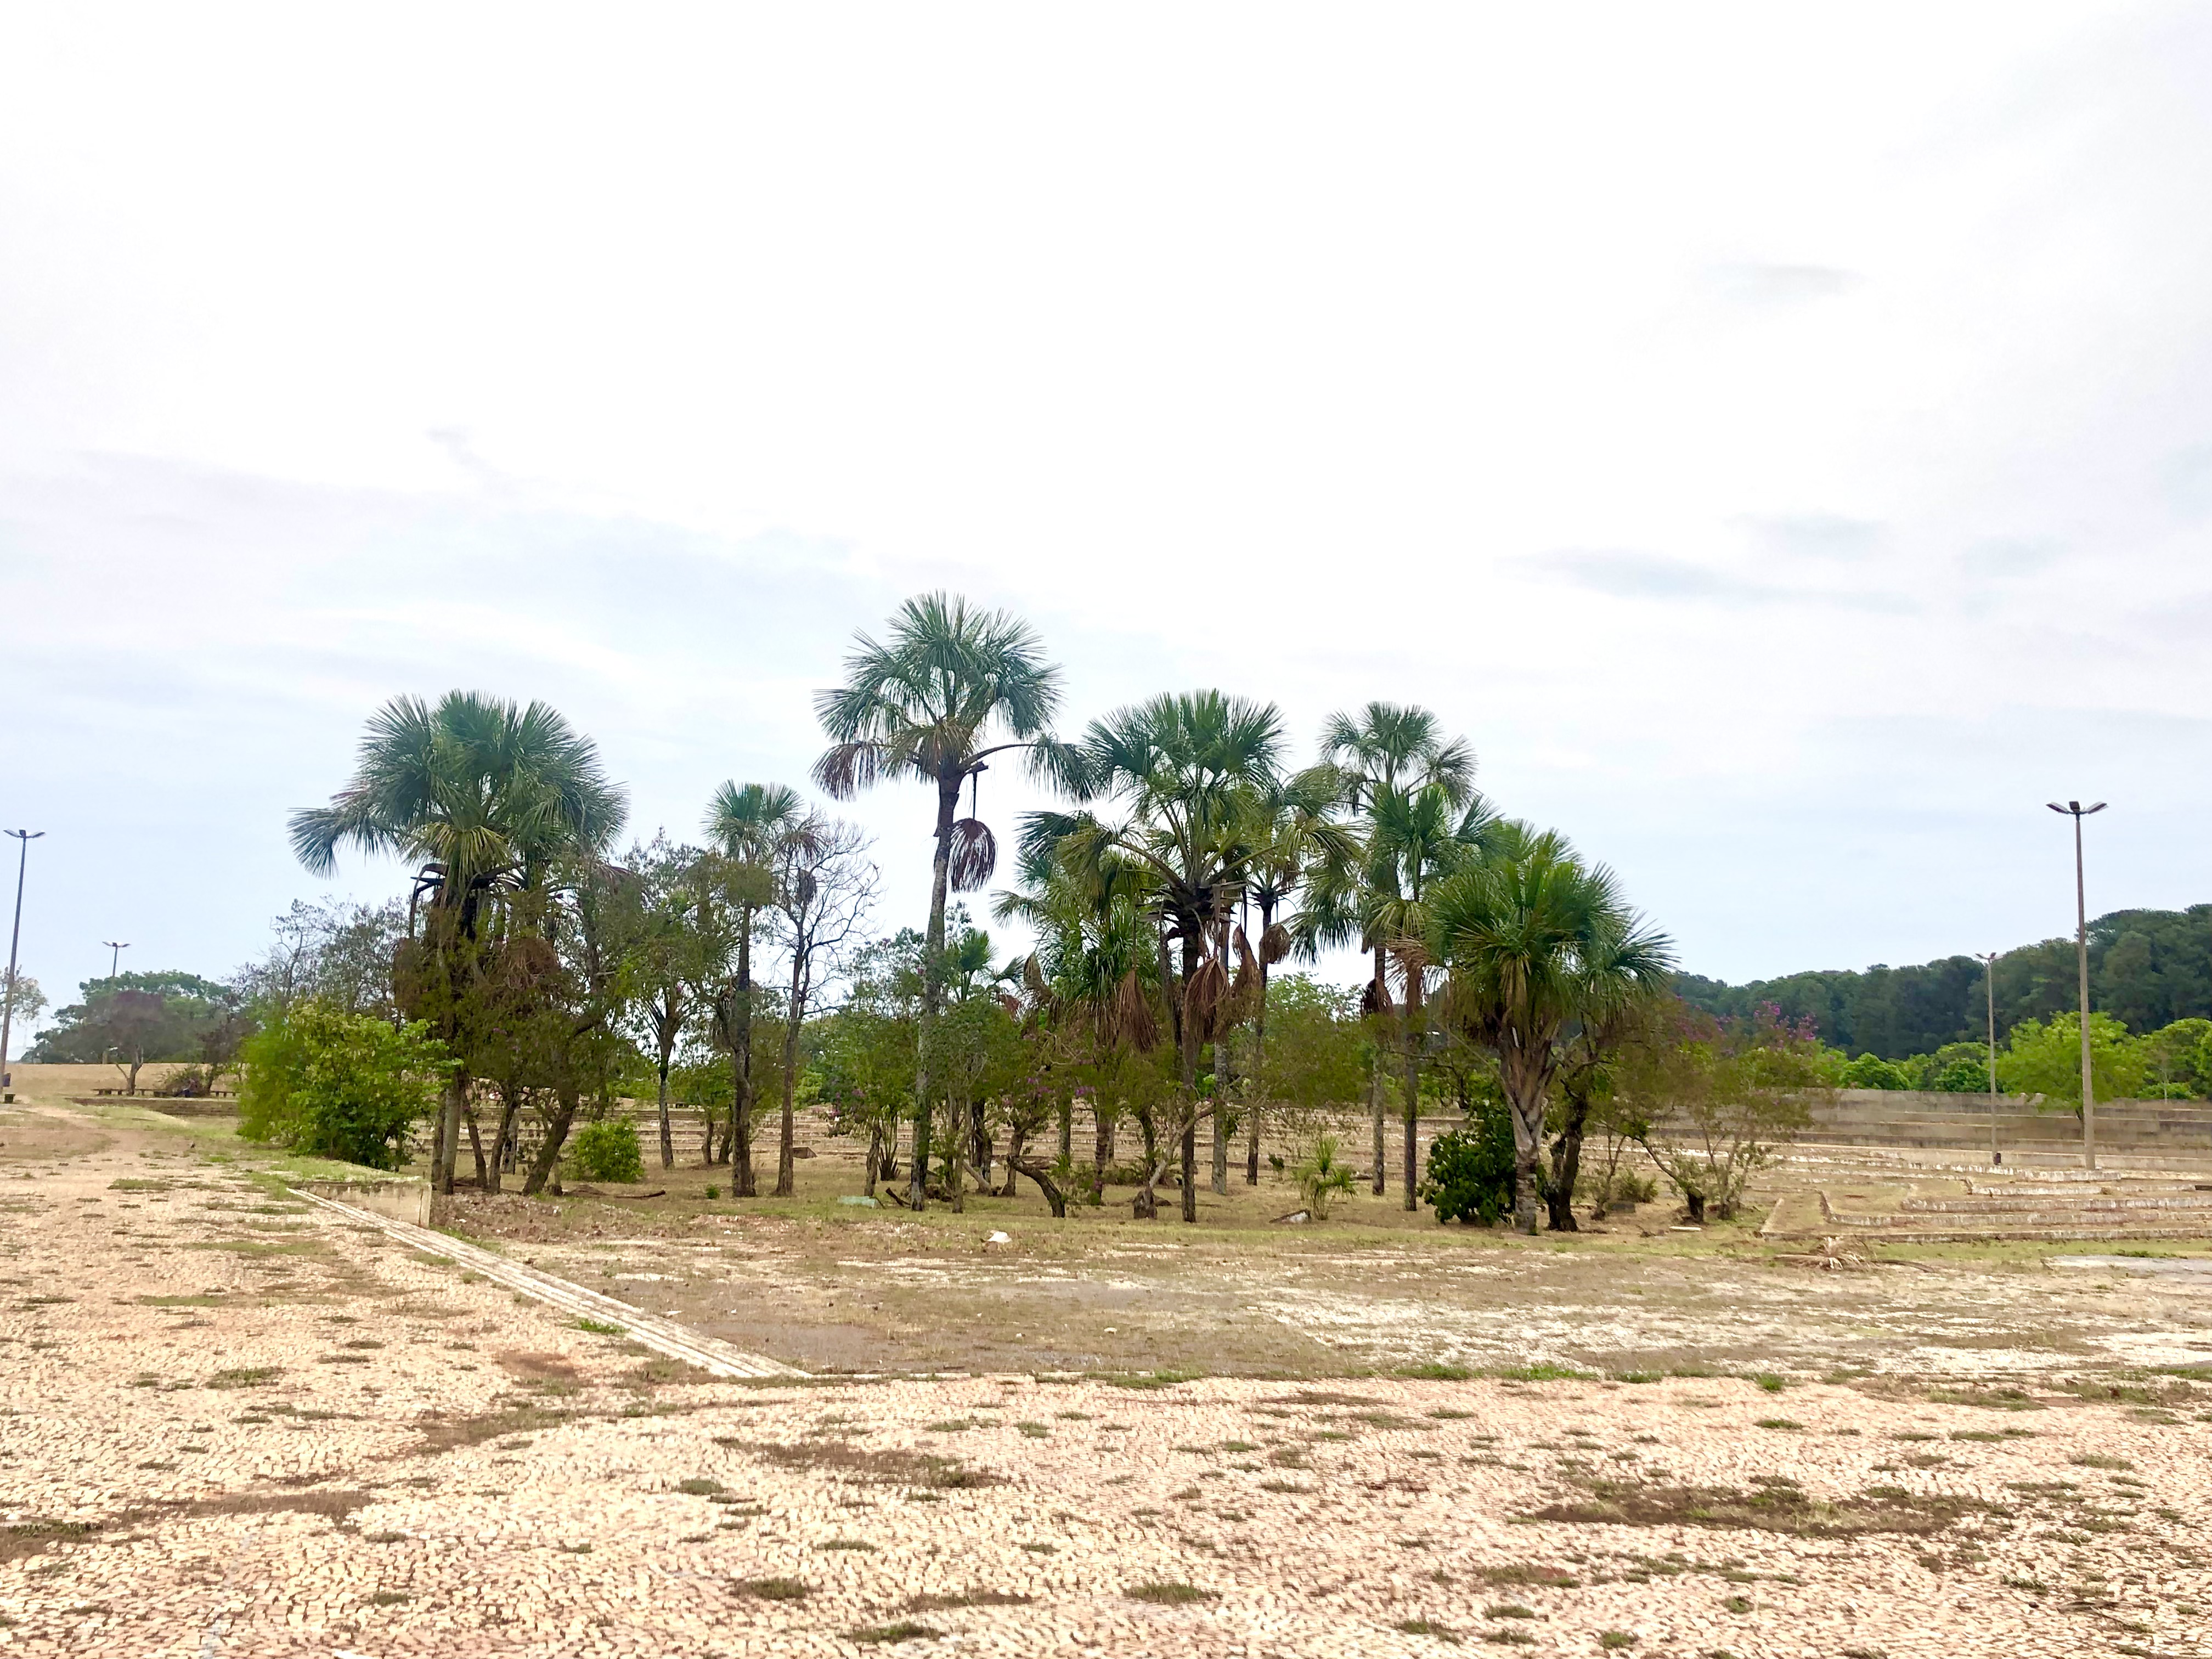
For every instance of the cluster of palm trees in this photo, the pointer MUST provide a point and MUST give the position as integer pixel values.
(1185, 818)
(1191, 856)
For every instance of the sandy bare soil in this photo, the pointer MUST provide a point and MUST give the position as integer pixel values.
(238, 1425)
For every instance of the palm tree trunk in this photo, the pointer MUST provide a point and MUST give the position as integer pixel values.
(1416, 1028)
(797, 1010)
(1259, 1091)
(449, 1130)
(1524, 1095)
(742, 1184)
(1566, 1164)
(932, 984)
(1375, 1078)
(667, 1135)
(956, 1177)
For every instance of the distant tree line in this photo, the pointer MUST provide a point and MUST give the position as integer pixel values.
(2148, 969)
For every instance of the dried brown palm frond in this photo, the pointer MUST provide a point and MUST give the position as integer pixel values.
(1375, 999)
(1204, 998)
(973, 856)
(1274, 943)
(1127, 1016)
(1244, 989)
(1033, 979)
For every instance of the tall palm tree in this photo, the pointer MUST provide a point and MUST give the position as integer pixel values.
(750, 824)
(947, 688)
(1534, 939)
(1416, 837)
(1300, 853)
(1189, 775)
(483, 796)
(1387, 745)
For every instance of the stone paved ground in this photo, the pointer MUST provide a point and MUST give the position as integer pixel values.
(236, 1426)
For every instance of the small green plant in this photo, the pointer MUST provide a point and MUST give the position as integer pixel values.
(1779, 1423)
(1612, 1639)
(607, 1149)
(1738, 1604)
(244, 1376)
(1470, 1174)
(1321, 1176)
(699, 1486)
(714, 1192)
(904, 1630)
(1509, 1610)
(846, 1544)
(1426, 1627)
(600, 1327)
(1771, 1382)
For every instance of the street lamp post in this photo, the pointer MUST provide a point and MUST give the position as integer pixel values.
(115, 949)
(1989, 979)
(15, 939)
(2075, 809)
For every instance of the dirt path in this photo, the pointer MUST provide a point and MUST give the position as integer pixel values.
(239, 1425)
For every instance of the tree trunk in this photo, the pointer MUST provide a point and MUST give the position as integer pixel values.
(1067, 1131)
(742, 1184)
(1259, 1091)
(1566, 1165)
(875, 1155)
(449, 1130)
(1190, 1167)
(1014, 1141)
(933, 982)
(956, 1177)
(1416, 1012)
(784, 1188)
(980, 1134)
(1145, 1206)
(1525, 1080)
(549, 1153)
(1037, 1172)
(1695, 1202)
(1375, 1077)
(667, 1134)
(476, 1148)
(502, 1137)
(1101, 1126)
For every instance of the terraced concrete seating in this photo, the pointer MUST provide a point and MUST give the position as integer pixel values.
(1963, 1210)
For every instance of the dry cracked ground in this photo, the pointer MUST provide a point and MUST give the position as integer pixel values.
(237, 1424)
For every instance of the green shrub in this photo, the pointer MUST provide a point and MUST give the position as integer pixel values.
(335, 1085)
(1870, 1071)
(1470, 1174)
(607, 1150)
(1321, 1176)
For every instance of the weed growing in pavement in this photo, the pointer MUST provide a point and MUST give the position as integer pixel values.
(773, 1590)
(1168, 1595)
(904, 1630)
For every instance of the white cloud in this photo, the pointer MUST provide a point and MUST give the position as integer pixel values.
(1672, 400)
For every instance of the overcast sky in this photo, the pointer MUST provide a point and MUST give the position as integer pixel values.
(1780, 438)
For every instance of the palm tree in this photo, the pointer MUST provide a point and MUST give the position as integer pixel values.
(1416, 837)
(1191, 774)
(1387, 745)
(483, 796)
(927, 702)
(749, 824)
(1535, 939)
(1299, 853)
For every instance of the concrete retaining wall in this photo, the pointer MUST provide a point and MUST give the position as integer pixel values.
(396, 1200)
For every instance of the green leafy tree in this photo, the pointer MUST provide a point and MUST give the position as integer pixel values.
(949, 687)
(483, 796)
(607, 1150)
(349, 1086)
(2045, 1059)
(1471, 1169)
(1869, 1071)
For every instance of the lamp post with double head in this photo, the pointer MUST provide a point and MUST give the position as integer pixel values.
(2075, 809)
(116, 947)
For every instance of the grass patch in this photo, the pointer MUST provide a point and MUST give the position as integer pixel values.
(1426, 1627)
(1509, 1610)
(1611, 1640)
(1772, 1504)
(1738, 1604)
(1542, 1372)
(1522, 1572)
(1162, 1379)
(2097, 1461)
(1771, 1382)
(1168, 1594)
(244, 1376)
(602, 1327)
(904, 1630)
(1779, 1423)
(699, 1486)
(1995, 1399)
(861, 1544)
(968, 1599)
(773, 1590)
(1437, 1371)
(888, 1466)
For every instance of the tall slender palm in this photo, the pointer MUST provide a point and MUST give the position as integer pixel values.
(1533, 938)
(1416, 838)
(1387, 745)
(932, 700)
(1300, 854)
(1190, 774)
(484, 795)
(750, 824)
